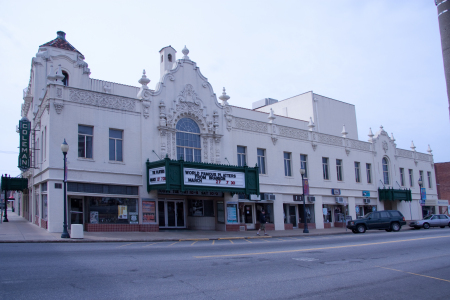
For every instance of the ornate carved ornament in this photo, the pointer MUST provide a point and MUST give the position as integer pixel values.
(385, 146)
(145, 109)
(329, 139)
(251, 125)
(293, 133)
(102, 100)
(58, 106)
(187, 104)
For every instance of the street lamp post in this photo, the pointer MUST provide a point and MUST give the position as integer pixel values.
(305, 227)
(65, 149)
(420, 182)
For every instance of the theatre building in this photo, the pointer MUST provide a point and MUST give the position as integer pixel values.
(180, 156)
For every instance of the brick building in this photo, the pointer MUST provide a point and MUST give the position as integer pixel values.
(442, 171)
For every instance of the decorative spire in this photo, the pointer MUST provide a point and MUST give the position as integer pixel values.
(224, 97)
(51, 76)
(311, 124)
(392, 137)
(144, 80)
(429, 150)
(370, 135)
(344, 132)
(413, 148)
(59, 76)
(185, 51)
(271, 117)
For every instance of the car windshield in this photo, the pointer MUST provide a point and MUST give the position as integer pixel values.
(428, 217)
(367, 215)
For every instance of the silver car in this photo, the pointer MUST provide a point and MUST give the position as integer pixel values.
(431, 221)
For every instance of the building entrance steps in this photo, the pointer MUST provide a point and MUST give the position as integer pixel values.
(19, 230)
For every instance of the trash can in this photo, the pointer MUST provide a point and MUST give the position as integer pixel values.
(76, 231)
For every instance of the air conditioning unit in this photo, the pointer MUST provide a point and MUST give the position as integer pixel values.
(366, 201)
(311, 199)
(340, 200)
(269, 197)
(255, 197)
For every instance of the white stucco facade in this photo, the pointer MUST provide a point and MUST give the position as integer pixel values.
(308, 125)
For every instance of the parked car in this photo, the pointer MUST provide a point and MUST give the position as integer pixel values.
(431, 221)
(389, 220)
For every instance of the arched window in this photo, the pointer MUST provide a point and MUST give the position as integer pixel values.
(169, 57)
(188, 140)
(65, 81)
(385, 170)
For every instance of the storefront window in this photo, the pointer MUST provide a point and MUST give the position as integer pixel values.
(268, 208)
(201, 208)
(220, 212)
(327, 211)
(149, 211)
(44, 207)
(111, 210)
(310, 216)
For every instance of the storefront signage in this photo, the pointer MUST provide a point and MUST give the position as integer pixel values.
(423, 194)
(123, 215)
(366, 193)
(305, 187)
(202, 177)
(232, 213)
(335, 192)
(442, 202)
(194, 193)
(93, 217)
(297, 197)
(134, 218)
(24, 146)
(157, 176)
(148, 211)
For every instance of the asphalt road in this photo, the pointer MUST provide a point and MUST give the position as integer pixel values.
(376, 265)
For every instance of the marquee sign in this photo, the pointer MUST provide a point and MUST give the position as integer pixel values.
(24, 146)
(202, 177)
(185, 176)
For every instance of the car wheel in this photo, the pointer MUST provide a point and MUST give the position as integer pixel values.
(395, 226)
(361, 228)
(426, 225)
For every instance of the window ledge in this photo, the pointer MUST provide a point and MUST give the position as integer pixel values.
(116, 162)
(86, 159)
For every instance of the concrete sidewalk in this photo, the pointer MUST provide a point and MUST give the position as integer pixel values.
(19, 230)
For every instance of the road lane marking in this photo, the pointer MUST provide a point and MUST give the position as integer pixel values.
(231, 238)
(415, 274)
(149, 245)
(231, 241)
(322, 248)
(201, 239)
(213, 242)
(124, 245)
(280, 239)
(172, 244)
(194, 243)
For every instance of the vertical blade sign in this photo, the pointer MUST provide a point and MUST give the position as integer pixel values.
(24, 148)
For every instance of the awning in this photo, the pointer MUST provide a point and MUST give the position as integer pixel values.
(183, 176)
(394, 195)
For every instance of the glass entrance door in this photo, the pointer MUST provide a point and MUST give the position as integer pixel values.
(171, 214)
(76, 211)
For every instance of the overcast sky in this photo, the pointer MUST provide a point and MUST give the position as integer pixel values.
(382, 56)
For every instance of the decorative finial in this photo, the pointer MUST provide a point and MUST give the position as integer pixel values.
(311, 124)
(271, 117)
(144, 80)
(224, 97)
(185, 51)
(344, 132)
(429, 149)
(392, 137)
(412, 146)
(370, 135)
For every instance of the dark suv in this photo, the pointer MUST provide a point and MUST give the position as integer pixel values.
(390, 220)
